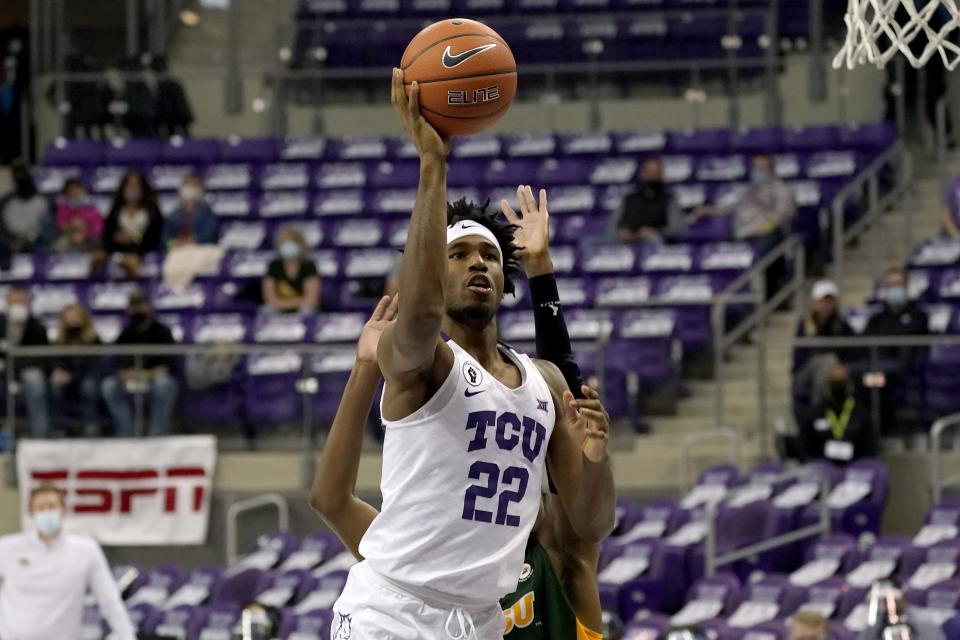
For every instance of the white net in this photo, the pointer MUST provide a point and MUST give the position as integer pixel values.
(919, 29)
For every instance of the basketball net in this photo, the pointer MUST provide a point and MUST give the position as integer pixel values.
(879, 29)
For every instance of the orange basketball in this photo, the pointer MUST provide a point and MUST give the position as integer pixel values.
(466, 74)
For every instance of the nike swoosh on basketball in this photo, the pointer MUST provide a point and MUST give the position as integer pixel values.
(468, 394)
(451, 60)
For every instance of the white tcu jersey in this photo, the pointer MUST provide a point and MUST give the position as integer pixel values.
(461, 483)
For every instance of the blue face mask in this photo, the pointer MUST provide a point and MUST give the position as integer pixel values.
(759, 176)
(289, 250)
(895, 296)
(48, 522)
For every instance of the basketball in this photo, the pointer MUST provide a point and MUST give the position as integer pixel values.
(466, 73)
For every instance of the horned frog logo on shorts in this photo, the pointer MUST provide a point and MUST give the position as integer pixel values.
(344, 632)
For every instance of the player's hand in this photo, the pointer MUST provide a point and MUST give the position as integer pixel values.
(382, 315)
(533, 234)
(589, 421)
(425, 138)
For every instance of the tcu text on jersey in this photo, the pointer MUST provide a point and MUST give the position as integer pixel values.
(507, 431)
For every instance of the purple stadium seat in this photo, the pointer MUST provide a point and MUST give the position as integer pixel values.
(216, 621)
(258, 150)
(50, 180)
(360, 148)
(640, 143)
(942, 603)
(271, 396)
(284, 204)
(160, 583)
(721, 169)
(135, 153)
(197, 589)
(530, 145)
(341, 175)
(190, 151)
(63, 152)
(765, 600)
(634, 579)
(401, 174)
(241, 587)
(323, 592)
(169, 177)
(568, 171)
(885, 560)
(647, 626)
(339, 203)
(192, 297)
(940, 523)
(756, 140)
(315, 549)
(308, 149)
(709, 598)
(700, 141)
(228, 177)
(831, 164)
(814, 138)
(106, 179)
(609, 259)
(247, 236)
(510, 173)
(171, 622)
(310, 626)
(938, 564)
(830, 556)
(478, 146)
(231, 204)
(872, 137)
(826, 598)
(285, 175)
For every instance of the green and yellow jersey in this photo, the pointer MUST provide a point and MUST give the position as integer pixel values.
(538, 609)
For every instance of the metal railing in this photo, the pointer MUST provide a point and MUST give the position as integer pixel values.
(866, 187)
(937, 479)
(712, 561)
(252, 504)
(693, 440)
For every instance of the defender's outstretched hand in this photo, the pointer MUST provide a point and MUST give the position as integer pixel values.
(383, 315)
(533, 234)
(424, 137)
(590, 422)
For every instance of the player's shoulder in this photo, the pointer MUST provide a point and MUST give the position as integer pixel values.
(550, 372)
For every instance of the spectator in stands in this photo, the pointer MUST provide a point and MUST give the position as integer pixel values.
(190, 235)
(838, 428)
(899, 316)
(824, 320)
(26, 222)
(79, 222)
(19, 328)
(45, 573)
(134, 226)
(77, 378)
(649, 213)
(763, 214)
(292, 283)
(808, 625)
(156, 376)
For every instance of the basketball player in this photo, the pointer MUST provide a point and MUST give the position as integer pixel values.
(557, 597)
(469, 427)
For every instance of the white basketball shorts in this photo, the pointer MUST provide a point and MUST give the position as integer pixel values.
(372, 607)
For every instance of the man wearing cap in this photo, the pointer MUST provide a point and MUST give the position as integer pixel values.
(45, 574)
(154, 376)
(823, 320)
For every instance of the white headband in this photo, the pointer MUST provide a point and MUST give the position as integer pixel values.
(470, 228)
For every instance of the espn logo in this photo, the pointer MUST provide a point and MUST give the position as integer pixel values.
(98, 491)
(465, 98)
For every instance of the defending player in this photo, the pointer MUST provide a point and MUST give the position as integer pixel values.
(557, 597)
(469, 427)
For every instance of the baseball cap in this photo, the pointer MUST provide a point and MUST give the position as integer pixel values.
(824, 288)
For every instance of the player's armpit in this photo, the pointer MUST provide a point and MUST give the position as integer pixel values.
(585, 488)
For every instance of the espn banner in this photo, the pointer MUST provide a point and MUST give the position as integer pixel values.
(146, 491)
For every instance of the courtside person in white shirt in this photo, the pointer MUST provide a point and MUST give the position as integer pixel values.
(45, 574)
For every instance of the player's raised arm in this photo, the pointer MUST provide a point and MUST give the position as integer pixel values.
(332, 496)
(408, 348)
(583, 474)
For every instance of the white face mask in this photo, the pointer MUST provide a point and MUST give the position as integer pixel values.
(48, 522)
(17, 312)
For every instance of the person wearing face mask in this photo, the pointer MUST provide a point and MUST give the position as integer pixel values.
(45, 573)
(134, 226)
(19, 328)
(292, 283)
(26, 222)
(76, 378)
(78, 220)
(838, 427)
(649, 212)
(763, 214)
(899, 316)
(824, 320)
(190, 236)
(156, 376)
